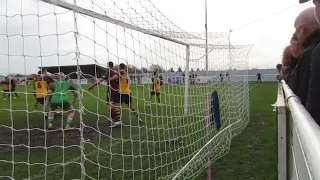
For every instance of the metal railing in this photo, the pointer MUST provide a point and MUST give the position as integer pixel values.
(298, 138)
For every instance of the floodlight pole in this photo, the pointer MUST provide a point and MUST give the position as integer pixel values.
(206, 30)
(209, 171)
(229, 53)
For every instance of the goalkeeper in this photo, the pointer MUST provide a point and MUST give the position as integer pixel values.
(57, 97)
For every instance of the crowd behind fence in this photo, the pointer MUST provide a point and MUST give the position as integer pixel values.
(298, 138)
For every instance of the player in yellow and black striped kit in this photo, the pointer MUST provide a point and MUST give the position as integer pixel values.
(156, 85)
(41, 82)
(6, 88)
(125, 92)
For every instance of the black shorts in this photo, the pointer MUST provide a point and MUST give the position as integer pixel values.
(6, 91)
(66, 106)
(153, 92)
(41, 100)
(115, 97)
(126, 98)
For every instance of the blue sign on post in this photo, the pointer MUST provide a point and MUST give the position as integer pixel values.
(215, 110)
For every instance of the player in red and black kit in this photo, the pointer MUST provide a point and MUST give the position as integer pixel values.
(113, 95)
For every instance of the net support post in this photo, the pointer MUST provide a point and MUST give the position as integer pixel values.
(282, 122)
(186, 80)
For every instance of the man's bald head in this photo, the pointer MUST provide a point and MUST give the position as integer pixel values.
(306, 17)
(305, 24)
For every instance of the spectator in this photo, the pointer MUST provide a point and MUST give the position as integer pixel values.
(304, 77)
(280, 76)
(313, 96)
(221, 76)
(228, 76)
(290, 54)
(286, 57)
(317, 10)
(290, 63)
(259, 78)
(296, 48)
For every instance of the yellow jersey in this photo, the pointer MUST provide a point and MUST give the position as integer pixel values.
(41, 88)
(156, 84)
(124, 83)
(5, 85)
(41, 85)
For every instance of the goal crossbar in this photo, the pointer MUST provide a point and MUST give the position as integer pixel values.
(227, 46)
(109, 19)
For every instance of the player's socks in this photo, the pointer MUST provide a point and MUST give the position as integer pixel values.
(35, 107)
(116, 124)
(68, 124)
(50, 120)
(115, 113)
(133, 109)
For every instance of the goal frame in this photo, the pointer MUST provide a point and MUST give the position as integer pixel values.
(77, 9)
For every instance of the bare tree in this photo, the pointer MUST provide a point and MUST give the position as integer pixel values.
(156, 68)
(179, 69)
(171, 70)
(144, 70)
(198, 69)
(133, 69)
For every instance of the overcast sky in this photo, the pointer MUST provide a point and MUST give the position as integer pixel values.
(269, 35)
(45, 34)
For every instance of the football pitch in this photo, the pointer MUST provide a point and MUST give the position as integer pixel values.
(135, 151)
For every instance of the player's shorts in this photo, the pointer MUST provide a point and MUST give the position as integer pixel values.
(41, 100)
(115, 97)
(153, 92)
(126, 98)
(63, 105)
(6, 91)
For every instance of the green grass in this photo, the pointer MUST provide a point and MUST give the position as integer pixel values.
(253, 154)
(139, 150)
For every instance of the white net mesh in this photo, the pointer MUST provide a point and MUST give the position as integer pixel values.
(175, 138)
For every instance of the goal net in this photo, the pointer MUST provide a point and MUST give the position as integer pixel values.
(169, 127)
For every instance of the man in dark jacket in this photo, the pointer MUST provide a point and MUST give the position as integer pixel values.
(313, 95)
(306, 75)
(308, 35)
(296, 51)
